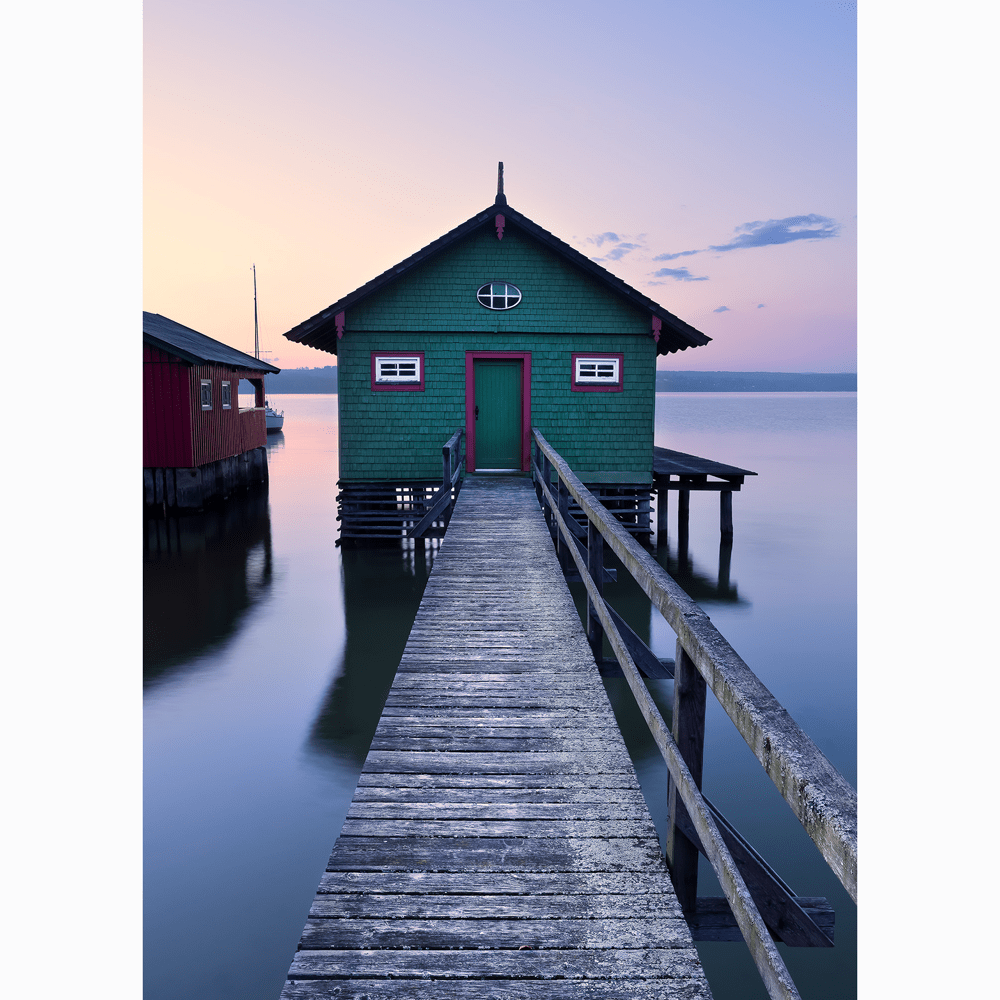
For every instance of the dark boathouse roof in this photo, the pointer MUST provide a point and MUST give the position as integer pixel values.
(194, 347)
(675, 335)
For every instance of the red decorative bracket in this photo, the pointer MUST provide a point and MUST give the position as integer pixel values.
(657, 323)
(339, 320)
(500, 221)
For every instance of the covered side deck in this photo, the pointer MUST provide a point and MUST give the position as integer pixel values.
(693, 474)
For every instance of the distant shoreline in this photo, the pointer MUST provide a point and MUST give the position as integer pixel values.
(324, 381)
(756, 382)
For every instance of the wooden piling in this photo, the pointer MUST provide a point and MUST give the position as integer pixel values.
(726, 513)
(725, 562)
(683, 511)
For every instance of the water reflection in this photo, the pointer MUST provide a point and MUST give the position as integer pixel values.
(230, 790)
(382, 590)
(201, 574)
(698, 585)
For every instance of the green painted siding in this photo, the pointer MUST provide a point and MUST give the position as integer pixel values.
(388, 435)
(441, 295)
(398, 435)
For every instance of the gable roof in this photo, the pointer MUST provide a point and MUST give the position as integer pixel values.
(675, 335)
(194, 347)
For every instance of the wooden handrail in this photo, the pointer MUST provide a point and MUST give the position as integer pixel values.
(766, 957)
(450, 448)
(442, 497)
(821, 798)
(453, 440)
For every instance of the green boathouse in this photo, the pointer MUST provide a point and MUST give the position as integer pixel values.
(497, 326)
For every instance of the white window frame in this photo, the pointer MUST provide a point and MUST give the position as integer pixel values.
(614, 378)
(397, 360)
(229, 386)
(206, 382)
(508, 298)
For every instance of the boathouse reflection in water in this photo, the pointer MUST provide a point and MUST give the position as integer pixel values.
(382, 591)
(267, 736)
(201, 575)
(382, 588)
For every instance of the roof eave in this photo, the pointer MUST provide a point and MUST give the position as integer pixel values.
(193, 359)
(319, 331)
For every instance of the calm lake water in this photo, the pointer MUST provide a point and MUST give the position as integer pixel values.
(268, 654)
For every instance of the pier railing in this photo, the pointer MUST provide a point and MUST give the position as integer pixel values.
(819, 796)
(452, 455)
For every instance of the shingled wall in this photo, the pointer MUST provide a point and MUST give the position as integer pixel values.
(605, 436)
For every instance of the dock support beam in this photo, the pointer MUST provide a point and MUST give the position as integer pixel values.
(689, 735)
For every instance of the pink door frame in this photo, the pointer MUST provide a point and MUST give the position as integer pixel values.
(470, 403)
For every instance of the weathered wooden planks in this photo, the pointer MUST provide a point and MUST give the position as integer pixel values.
(471, 962)
(498, 844)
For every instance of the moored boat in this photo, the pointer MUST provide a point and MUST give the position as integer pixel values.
(273, 418)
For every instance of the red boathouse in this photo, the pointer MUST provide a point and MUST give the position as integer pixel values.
(198, 443)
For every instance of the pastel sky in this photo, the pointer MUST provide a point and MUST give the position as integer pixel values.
(705, 153)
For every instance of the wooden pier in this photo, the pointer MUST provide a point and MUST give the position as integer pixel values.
(498, 844)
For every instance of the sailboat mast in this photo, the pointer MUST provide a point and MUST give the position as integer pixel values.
(256, 334)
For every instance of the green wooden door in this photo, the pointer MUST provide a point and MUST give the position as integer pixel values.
(498, 413)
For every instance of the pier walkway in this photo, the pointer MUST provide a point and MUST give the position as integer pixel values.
(498, 844)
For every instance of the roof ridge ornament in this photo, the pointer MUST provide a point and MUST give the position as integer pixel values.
(501, 198)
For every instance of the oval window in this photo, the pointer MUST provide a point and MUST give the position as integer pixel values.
(499, 295)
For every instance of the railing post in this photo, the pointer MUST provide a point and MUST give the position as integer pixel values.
(595, 566)
(547, 479)
(446, 462)
(564, 556)
(689, 735)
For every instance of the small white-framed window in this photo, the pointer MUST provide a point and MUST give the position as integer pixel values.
(597, 371)
(227, 395)
(206, 394)
(395, 368)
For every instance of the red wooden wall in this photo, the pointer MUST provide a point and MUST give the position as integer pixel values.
(219, 433)
(177, 432)
(166, 411)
